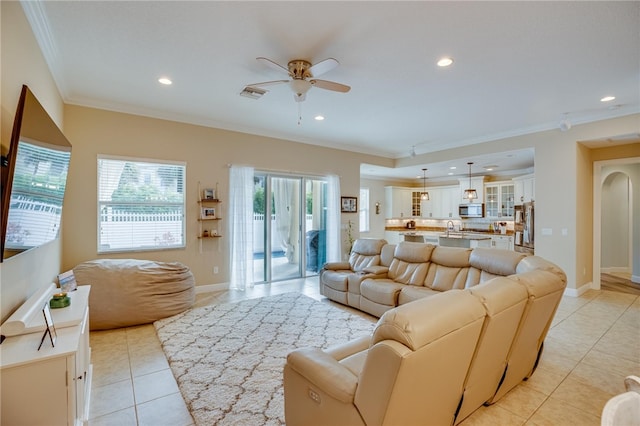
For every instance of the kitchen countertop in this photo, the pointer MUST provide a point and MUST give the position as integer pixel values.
(424, 230)
(466, 236)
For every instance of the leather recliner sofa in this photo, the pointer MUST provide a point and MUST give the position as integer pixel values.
(432, 361)
(409, 271)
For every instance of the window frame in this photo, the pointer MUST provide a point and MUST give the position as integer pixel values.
(100, 204)
(365, 217)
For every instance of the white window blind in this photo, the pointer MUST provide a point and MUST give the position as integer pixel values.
(364, 209)
(141, 204)
(39, 181)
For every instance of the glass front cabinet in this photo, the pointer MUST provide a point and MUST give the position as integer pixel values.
(499, 200)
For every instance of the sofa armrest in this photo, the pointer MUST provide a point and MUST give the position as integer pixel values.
(376, 269)
(337, 266)
(321, 369)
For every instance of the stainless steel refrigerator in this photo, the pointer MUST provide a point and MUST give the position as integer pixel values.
(524, 228)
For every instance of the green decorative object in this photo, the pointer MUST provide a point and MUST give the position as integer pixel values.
(59, 300)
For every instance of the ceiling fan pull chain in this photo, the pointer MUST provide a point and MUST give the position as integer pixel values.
(299, 113)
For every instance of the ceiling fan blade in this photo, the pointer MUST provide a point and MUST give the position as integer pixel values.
(330, 85)
(323, 67)
(267, 83)
(273, 65)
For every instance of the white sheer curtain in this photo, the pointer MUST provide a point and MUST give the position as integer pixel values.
(334, 247)
(241, 226)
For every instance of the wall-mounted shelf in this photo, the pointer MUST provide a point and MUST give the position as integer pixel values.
(209, 212)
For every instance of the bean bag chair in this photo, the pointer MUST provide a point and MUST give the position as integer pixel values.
(126, 292)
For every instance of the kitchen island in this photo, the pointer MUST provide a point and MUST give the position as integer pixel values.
(464, 240)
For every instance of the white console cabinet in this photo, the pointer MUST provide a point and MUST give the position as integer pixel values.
(50, 386)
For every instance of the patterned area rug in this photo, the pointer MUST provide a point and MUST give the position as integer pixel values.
(228, 359)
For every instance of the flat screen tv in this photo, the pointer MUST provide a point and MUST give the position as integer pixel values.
(34, 179)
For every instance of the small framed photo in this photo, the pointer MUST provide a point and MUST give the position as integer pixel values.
(67, 281)
(349, 204)
(209, 194)
(208, 213)
(50, 328)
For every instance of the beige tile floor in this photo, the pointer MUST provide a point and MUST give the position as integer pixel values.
(593, 344)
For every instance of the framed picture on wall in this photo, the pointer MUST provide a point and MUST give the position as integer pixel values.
(209, 194)
(349, 204)
(208, 213)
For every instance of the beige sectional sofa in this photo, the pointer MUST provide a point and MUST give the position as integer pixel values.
(398, 274)
(474, 329)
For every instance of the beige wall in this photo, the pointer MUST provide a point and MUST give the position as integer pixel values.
(208, 153)
(23, 63)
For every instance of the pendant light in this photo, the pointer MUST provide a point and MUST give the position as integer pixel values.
(470, 193)
(424, 195)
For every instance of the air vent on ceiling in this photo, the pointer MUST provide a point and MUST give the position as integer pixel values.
(252, 92)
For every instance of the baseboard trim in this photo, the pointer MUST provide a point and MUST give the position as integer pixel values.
(208, 288)
(614, 269)
(635, 279)
(577, 292)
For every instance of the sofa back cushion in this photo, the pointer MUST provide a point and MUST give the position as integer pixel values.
(386, 255)
(495, 261)
(449, 268)
(365, 252)
(410, 263)
(545, 289)
(504, 301)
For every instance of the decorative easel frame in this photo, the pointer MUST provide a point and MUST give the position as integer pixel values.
(50, 327)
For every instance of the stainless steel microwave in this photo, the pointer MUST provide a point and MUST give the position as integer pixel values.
(471, 210)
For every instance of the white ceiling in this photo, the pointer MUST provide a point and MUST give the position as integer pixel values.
(519, 67)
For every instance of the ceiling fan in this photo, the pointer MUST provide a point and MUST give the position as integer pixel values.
(302, 76)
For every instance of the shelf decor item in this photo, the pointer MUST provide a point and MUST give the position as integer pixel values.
(50, 329)
(209, 194)
(67, 282)
(349, 204)
(208, 213)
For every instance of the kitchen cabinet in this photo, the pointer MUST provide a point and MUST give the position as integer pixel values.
(477, 183)
(504, 242)
(499, 199)
(443, 203)
(392, 237)
(398, 201)
(49, 386)
(524, 189)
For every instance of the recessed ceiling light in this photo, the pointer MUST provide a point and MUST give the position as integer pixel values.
(489, 168)
(452, 168)
(450, 173)
(445, 62)
(607, 98)
(319, 117)
(165, 81)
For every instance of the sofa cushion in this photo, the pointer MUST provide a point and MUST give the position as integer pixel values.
(496, 262)
(401, 324)
(443, 278)
(386, 255)
(409, 293)
(413, 252)
(336, 280)
(384, 291)
(365, 252)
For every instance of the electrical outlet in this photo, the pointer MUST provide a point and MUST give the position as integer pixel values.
(215, 269)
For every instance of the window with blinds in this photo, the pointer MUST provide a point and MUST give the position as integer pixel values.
(39, 181)
(141, 204)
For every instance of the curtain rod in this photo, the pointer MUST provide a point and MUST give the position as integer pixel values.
(288, 172)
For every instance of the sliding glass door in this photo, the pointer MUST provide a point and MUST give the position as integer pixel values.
(289, 215)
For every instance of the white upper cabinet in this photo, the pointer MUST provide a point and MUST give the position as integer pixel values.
(477, 183)
(524, 189)
(499, 199)
(398, 201)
